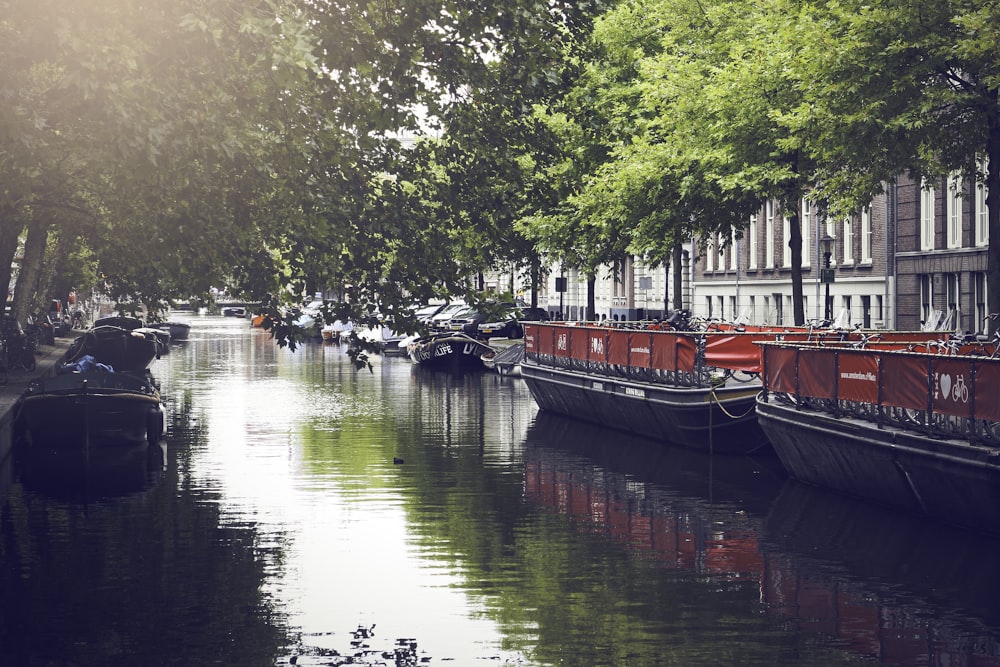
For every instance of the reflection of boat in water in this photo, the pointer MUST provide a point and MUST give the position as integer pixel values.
(87, 476)
(449, 350)
(910, 429)
(880, 586)
(900, 588)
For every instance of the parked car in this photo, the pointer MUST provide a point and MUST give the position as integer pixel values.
(425, 313)
(439, 321)
(509, 324)
(467, 321)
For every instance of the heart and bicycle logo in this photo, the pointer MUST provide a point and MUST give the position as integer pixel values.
(955, 389)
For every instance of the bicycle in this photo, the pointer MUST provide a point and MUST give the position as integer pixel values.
(864, 339)
(20, 348)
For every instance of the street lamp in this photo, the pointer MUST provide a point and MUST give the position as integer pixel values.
(826, 276)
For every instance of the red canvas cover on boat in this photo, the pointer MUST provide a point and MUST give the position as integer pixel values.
(857, 378)
(578, 339)
(779, 364)
(904, 381)
(987, 382)
(734, 351)
(671, 351)
(618, 347)
(817, 372)
(640, 349)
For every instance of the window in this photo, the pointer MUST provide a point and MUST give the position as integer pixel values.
(732, 307)
(722, 307)
(979, 301)
(734, 252)
(806, 222)
(926, 216)
(866, 235)
(769, 235)
(982, 221)
(778, 314)
(953, 212)
(848, 241)
(951, 286)
(847, 307)
(866, 311)
(708, 307)
(926, 297)
(709, 255)
(786, 236)
(831, 231)
(752, 236)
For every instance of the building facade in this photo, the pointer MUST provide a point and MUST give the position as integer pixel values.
(916, 256)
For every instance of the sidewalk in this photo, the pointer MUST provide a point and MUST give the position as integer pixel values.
(17, 382)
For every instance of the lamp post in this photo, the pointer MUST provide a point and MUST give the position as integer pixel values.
(826, 277)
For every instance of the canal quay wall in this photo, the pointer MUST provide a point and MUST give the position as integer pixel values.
(48, 357)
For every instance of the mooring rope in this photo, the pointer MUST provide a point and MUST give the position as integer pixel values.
(726, 412)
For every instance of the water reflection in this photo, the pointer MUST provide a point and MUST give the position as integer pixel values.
(309, 511)
(877, 584)
(87, 475)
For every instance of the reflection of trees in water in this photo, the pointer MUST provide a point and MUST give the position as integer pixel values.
(166, 549)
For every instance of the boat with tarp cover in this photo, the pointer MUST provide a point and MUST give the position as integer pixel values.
(450, 351)
(916, 427)
(697, 389)
(92, 407)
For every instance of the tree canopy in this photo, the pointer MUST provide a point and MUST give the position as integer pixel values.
(392, 151)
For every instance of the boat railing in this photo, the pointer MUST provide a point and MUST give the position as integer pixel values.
(648, 352)
(938, 394)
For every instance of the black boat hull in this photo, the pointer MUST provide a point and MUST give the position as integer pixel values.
(719, 420)
(948, 480)
(91, 409)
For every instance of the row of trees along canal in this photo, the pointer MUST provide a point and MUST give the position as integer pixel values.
(257, 145)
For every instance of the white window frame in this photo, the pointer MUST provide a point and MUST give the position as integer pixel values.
(752, 236)
(769, 234)
(866, 235)
(848, 240)
(831, 231)
(786, 236)
(927, 196)
(805, 225)
(953, 211)
(710, 254)
(980, 212)
(734, 251)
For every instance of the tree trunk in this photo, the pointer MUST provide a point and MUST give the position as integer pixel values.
(534, 281)
(591, 298)
(56, 257)
(678, 277)
(10, 230)
(790, 211)
(26, 288)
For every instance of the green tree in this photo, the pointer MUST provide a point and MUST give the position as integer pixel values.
(900, 87)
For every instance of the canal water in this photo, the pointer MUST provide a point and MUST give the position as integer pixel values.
(302, 512)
